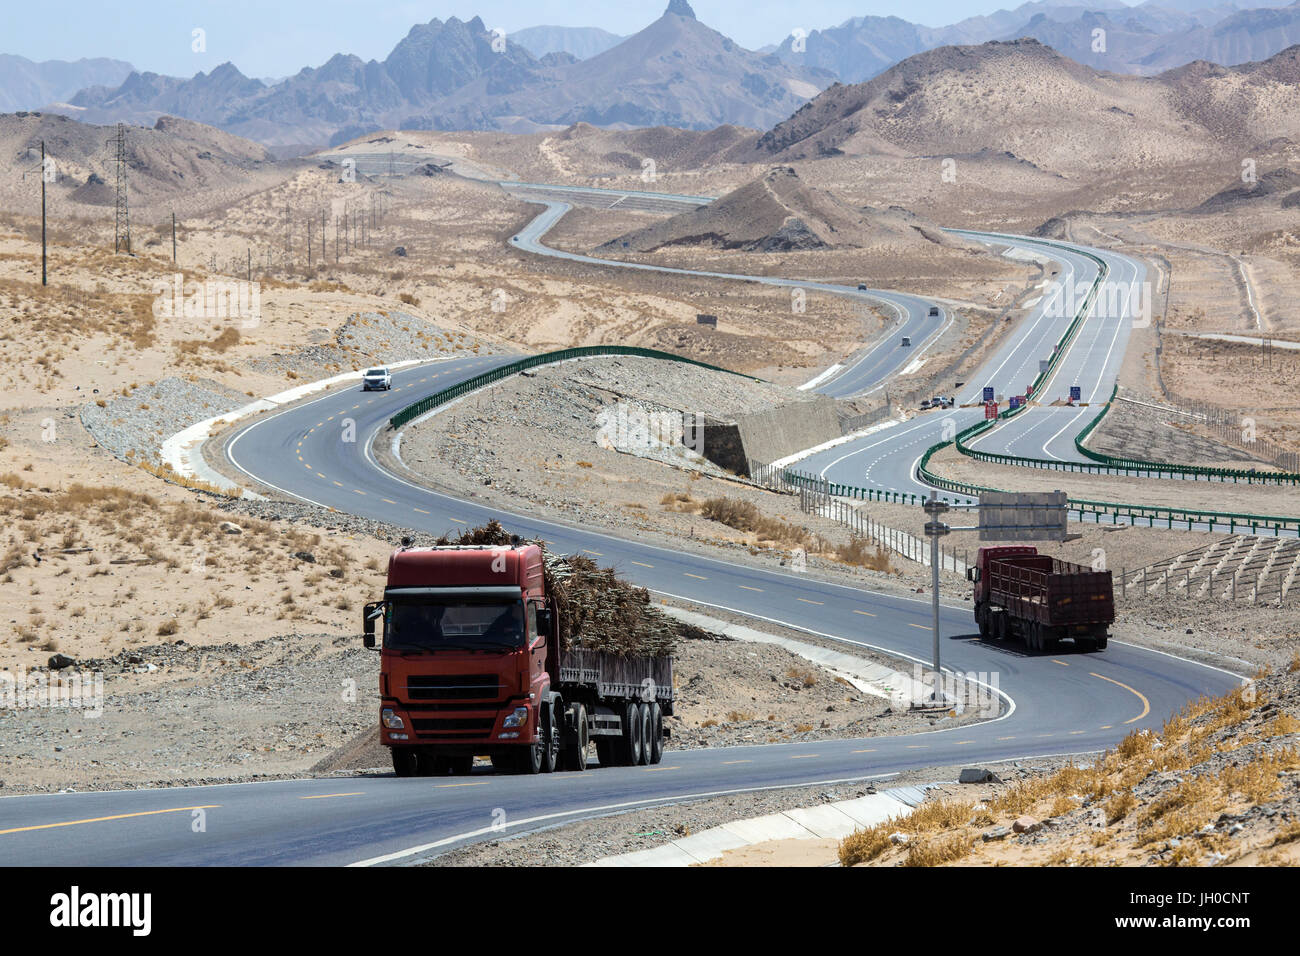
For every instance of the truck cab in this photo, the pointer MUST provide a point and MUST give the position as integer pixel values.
(471, 664)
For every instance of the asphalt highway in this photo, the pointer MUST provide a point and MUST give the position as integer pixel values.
(1052, 703)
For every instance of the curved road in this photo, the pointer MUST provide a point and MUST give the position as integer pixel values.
(1062, 704)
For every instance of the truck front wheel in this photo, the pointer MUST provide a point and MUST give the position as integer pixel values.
(550, 745)
(405, 761)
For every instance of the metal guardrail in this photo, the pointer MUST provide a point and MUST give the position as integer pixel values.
(452, 392)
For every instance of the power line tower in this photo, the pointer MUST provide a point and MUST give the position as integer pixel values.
(122, 221)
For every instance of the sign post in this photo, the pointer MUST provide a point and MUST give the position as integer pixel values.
(935, 529)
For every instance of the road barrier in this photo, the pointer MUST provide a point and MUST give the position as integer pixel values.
(430, 402)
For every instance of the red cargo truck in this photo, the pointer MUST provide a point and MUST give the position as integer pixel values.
(1019, 592)
(471, 665)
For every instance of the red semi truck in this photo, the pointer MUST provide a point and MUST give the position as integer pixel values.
(471, 665)
(1019, 592)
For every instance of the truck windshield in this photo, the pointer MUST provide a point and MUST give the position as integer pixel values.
(434, 625)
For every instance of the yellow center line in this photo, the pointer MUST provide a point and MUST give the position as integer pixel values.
(865, 751)
(916, 746)
(1106, 726)
(1146, 704)
(699, 577)
(596, 553)
(806, 601)
(119, 816)
(1062, 663)
(748, 588)
(339, 483)
(657, 769)
(804, 756)
(457, 520)
(358, 491)
(421, 510)
(736, 761)
(388, 501)
(452, 786)
(1077, 732)
(1012, 737)
(924, 627)
(643, 564)
(864, 613)
(960, 742)
(319, 475)
(326, 796)
(1046, 735)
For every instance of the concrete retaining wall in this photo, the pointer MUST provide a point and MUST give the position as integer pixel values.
(770, 434)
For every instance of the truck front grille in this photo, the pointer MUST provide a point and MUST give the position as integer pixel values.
(453, 687)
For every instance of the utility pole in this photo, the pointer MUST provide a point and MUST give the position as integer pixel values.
(173, 237)
(122, 212)
(250, 263)
(322, 235)
(44, 177)
(309, 242)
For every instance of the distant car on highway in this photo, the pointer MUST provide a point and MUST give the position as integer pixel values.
(907, 341)
(928, 403)
(375, 379)
(862, 287)
(934, 310)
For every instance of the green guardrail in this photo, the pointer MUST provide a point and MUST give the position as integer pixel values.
(430, 402)
(1136, 467)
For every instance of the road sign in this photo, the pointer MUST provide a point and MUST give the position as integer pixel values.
(1016, 401)
(988, 394)
(1023, 516)
(1076, 393)
(1029, 389)
(1044, 365)
(990, 409)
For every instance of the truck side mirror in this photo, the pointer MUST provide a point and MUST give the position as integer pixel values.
(372, 611)
(970, 574)
(545, 620)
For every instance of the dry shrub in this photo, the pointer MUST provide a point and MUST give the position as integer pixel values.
(863, 846)
(938, 850)
(745, 516)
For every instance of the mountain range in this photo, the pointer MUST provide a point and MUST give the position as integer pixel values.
(459, 75)
(676, 72)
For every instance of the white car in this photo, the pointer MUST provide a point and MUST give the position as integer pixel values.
(376, 378)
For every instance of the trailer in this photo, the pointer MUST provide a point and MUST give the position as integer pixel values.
(1041, 599)
(470, 665)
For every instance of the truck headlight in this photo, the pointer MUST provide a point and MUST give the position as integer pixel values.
(391, 720)
(517, 719)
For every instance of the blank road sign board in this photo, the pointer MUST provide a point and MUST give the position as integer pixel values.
(1023, 516)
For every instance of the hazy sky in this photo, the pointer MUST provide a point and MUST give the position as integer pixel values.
(278, 37)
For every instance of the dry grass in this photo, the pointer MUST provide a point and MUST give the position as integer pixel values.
(1174, 807)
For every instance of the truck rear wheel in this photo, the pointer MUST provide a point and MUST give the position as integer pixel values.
(631, 742)
(575, 744)
(405, 761)
(656, 742)
(647, 733)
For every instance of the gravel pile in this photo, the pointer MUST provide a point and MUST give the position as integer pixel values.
(175, 714)
(139, 422)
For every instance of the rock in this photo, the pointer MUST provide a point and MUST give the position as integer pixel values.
(898, 839)
(977, 775)
(336, 572)
(1026, 825)
(229, 527)
(997, 833)
(400, 251)
(59, 661)
(305, 556)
